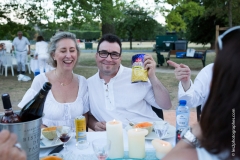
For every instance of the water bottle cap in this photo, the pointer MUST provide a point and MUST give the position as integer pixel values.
(6, 101)
(182, 102)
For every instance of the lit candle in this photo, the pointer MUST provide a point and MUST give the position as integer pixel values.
(136, 143)
(115, 135)
(161, 147)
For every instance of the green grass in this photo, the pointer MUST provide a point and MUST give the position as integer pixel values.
(88, 59)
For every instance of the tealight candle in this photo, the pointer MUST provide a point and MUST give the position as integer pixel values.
(161, 147)
(136, 142)
(115, 135)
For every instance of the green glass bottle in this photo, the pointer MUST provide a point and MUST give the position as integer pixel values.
(34, 108)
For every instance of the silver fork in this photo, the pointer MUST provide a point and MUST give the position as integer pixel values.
(130, 123)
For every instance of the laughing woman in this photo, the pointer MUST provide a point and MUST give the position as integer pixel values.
(68, 97)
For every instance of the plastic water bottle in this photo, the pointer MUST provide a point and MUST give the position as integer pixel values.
(182, 118)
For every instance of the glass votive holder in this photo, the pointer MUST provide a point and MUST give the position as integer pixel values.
(82, 144)
(161, 129)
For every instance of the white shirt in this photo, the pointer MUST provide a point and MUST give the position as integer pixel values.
(198, 92)
(41, 48)
(20, 44)
(203, 154)
(56, 113)
(121, 99)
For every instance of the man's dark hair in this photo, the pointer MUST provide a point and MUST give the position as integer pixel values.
(111, 38)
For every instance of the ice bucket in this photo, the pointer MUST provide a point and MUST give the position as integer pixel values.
(28, 134)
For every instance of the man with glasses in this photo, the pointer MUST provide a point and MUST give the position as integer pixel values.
(20, 45)
(113, 96)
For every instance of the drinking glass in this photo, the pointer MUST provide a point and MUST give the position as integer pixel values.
(161, 129)
(101, 148)
(64, 134)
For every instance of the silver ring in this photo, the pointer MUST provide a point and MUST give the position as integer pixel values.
(18, 145)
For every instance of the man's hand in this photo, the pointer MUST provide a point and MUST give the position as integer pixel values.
(7, 149)
(182, 73)
(149, 65)
(28, 52)
(100, 126)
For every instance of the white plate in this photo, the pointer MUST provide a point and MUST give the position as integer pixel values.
(48, 143)
(170, 133)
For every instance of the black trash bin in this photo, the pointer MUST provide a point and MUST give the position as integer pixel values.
(181, 45)
(88, 45)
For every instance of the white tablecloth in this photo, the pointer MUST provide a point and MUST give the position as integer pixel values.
(96, 135)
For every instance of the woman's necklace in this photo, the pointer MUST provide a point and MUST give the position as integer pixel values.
(61, 83)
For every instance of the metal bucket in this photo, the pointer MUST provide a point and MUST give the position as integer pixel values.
(28, 134)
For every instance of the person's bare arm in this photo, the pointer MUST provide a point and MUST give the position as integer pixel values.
(161, 94)
(29, 51)
(184, 150)
(95, 125)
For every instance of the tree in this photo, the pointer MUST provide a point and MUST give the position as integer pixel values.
(201, 29)
(78, 12)
(136, 23)
(17, 15)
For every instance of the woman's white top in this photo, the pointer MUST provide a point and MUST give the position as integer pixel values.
(203, 154)
(55, 113)
(41, 49)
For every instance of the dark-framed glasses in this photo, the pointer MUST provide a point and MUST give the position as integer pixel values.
(104, 54)
(220, 44)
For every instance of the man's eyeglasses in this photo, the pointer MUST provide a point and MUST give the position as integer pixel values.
(224, 34)
(104, 54)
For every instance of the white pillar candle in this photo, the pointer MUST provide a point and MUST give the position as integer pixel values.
(136, 143)
(115, 135)
(161, 147)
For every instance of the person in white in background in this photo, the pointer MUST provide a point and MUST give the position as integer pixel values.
(194, 93)
(41, 54)
(20, 44)
(2, 52)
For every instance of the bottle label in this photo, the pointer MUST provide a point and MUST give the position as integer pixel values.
(182, 120)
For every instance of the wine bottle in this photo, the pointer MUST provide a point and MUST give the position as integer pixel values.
(9, 116)
(34, 108)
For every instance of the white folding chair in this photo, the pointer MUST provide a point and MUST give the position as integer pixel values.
(7, 62)
(27, 63)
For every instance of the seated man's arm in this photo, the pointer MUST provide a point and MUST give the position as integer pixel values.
(161, 94)
(95, 125)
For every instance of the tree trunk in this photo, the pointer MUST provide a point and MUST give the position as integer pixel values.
(212, 45)
(108, 28)
(230, 13)
(130, 39)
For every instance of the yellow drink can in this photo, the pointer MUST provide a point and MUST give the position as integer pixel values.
(80, 126)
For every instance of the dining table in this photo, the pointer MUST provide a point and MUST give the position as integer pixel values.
(87, 153)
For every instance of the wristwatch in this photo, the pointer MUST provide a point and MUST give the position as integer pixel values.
(189, 137)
